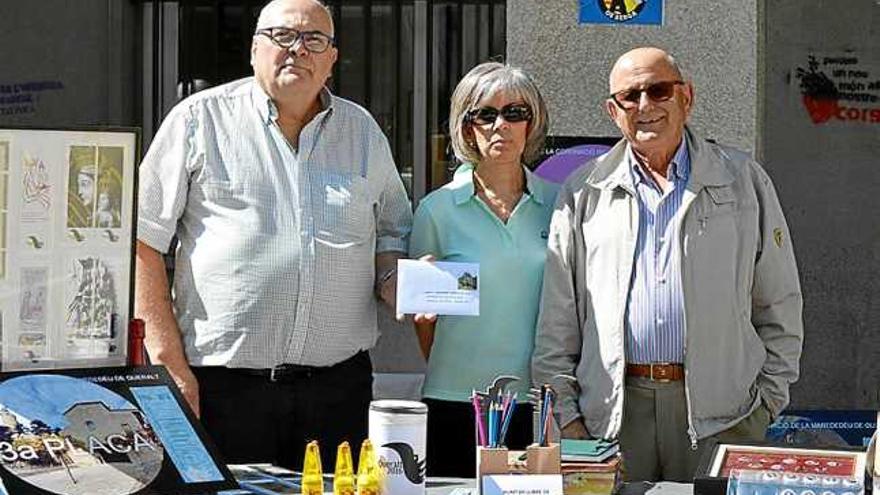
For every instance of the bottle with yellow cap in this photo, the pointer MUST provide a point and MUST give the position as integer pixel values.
(343, 478)
(370, 475)
(313, 476)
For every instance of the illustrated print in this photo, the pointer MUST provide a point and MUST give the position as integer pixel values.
(36, 190)
(91, 299)
(33, 296)
(94, 191)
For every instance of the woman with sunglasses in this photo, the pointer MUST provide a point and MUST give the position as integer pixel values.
(494, 212)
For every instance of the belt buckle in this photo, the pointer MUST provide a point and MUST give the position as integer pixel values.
(659, 380)
(272, 377)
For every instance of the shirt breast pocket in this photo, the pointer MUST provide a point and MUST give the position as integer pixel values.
(344, 209)
(249, 206)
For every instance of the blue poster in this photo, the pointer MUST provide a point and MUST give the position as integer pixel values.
(621, 12)
(171, 425)
(804, 428)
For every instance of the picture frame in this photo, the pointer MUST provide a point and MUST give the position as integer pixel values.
(719, 458)
(67, 231)
(847, 463)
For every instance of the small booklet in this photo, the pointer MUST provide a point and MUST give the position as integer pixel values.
(593, 450)
(441, 287)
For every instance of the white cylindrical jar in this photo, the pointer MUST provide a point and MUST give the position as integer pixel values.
(398, 430)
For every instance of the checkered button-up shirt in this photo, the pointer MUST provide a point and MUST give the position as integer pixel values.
(277, 245)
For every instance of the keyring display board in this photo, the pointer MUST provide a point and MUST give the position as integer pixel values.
(719, 459)
(108, 431)
(67, 200)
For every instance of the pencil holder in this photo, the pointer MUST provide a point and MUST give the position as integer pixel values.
(544, 460)
(491, 461)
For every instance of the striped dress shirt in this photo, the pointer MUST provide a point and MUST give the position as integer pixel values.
(654, 317)
(277, 244)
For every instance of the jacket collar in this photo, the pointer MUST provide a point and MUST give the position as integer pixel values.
(462, 185)
(707, 168)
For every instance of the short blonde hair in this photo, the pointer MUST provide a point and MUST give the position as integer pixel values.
(481, 83)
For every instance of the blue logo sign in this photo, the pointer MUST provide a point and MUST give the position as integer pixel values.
(621, 12)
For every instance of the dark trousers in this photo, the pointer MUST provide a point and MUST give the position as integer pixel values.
(654, 438)
(452, 445)
(252, 419)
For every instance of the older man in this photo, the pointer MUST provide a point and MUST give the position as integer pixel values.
(290, 215)
(670, 290)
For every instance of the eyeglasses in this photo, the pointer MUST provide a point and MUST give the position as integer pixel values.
(515, 112)
(659, 91)
(314, 41)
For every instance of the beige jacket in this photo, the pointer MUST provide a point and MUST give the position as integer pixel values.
(742, 298)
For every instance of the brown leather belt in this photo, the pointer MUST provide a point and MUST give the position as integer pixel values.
(658, 372)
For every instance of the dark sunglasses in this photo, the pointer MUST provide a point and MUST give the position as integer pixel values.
(515, 112)
(659, 91)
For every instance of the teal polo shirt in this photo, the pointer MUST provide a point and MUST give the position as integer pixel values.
(453, 224)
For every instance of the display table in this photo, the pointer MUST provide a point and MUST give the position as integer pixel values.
(264, 479)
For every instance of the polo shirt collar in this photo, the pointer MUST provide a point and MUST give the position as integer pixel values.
(463, 185)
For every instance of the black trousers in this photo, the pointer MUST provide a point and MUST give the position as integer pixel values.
(252, 419)
(452, 445)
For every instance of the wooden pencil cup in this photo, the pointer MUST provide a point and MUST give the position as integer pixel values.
(491, 461)
(544, 460)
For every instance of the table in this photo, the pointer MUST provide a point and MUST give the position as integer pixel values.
(265, 479)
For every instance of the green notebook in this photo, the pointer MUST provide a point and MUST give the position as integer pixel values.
(593, 450)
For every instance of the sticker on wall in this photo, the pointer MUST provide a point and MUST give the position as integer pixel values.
(842, 88)
(20, 98)
(621, 12)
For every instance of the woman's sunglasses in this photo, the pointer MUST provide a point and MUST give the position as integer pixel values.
(515, 112)
(660, 91)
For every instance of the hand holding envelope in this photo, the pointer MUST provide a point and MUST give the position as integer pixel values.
(442, 287)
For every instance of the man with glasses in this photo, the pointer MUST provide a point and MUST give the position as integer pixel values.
(670, 290)
(290, 216)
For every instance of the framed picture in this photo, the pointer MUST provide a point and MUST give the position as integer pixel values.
(718, 459)
(67, 199)
(846, 463)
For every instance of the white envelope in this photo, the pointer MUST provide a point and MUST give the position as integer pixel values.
(441, 287)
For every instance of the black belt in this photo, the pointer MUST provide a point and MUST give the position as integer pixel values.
(290, 372)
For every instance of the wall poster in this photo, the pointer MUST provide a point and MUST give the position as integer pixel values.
(66, 233)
